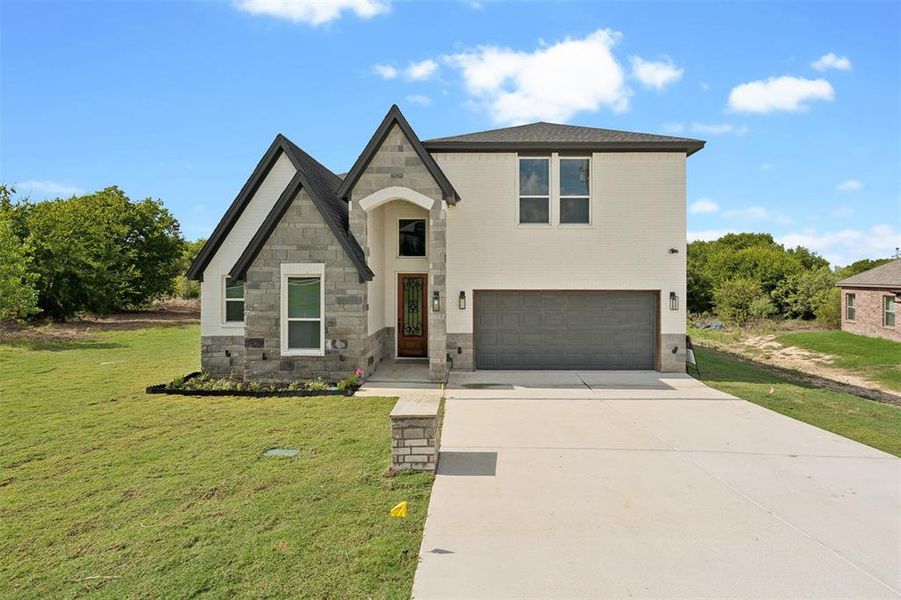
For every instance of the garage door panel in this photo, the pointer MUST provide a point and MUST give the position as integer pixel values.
(565, 329)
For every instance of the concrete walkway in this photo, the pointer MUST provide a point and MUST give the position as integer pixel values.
(616, 484)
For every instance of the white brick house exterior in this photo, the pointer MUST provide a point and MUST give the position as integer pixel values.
(443, 254)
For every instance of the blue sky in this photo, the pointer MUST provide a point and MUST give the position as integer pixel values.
(800, 103)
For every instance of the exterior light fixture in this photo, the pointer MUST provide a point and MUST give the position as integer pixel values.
(436, 301)
(461, 302)
(674, 251)
(673, 301)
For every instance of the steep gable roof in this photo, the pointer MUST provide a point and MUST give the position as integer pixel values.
(395, 117)
(320, 183)
(883, 276)
(555, 136)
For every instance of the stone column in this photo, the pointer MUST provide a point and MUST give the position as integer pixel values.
(437, 277)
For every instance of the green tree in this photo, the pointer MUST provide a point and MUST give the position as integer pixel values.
(100, 252)
(18, 296)
(185, 288)
(800, 294)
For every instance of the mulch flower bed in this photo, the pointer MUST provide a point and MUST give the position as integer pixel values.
(202, 384)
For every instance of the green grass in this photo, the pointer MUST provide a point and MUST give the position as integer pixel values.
(109, 492)
(869, 422)
(876, 359)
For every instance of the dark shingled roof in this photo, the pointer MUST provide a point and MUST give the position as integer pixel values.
(554, 136)
(883, 276)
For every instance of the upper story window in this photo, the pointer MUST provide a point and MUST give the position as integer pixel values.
(411, 237)
(234, 301)
(888, 311)
(850, 307)
(534, 190)
(554, 190)
(574, 191)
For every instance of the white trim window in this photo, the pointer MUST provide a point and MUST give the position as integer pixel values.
(302, 309)
(534, 204)
(575, 190)
(233, 299)
(850, 307)
(888, 311)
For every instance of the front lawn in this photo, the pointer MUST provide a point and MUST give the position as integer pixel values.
(107, 491)
(869, 422)
(873, 358)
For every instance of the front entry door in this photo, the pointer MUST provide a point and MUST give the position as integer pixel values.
(412, 320)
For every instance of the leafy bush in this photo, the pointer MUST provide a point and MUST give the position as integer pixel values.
(801, 294)
(740, 300)
(830, 311)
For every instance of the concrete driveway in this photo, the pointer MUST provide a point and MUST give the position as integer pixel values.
(638, 484)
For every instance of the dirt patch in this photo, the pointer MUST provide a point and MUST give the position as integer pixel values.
(168, 313)
(765, 349)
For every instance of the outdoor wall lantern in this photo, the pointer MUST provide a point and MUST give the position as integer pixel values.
(436, 301)
(673, 301)
(461, 302)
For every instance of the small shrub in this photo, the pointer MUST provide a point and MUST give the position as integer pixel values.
(316, 385)
(348, 383)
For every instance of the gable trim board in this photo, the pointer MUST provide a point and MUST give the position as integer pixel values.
(395, 117)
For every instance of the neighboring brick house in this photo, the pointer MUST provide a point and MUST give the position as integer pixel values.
(870, 302)
(529, 247)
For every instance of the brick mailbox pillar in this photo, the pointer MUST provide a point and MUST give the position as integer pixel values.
(415, 433)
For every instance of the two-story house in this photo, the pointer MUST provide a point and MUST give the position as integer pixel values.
(541, 246)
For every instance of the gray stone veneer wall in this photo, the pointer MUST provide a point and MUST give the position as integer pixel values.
(222, 355)
(464, 361)
(672, 362)
(303, 237)
(397, 164)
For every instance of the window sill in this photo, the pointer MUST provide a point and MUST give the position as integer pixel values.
(311, 352)
(575, 225)
(233, 324)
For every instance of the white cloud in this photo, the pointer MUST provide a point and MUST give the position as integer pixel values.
(719, 128)
(422, 70)
(779, 93)
(385, 71)
(703, 205)
(842, 212)
(655, 74)
(47, 188)
(766, 167)
(844, 246)
(832, 61)
(313, 12)
(476, 5)
(419, 99)
(553, 82)
(705, 86)
(849, 185)
(757, 214)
